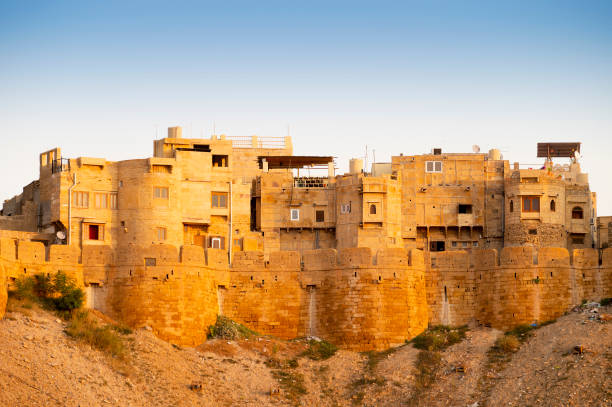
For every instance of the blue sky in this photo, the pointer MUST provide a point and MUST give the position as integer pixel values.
(97, 78)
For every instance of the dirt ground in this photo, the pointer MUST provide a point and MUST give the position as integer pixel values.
(41, 366)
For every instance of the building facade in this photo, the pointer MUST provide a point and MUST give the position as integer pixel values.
(246, 194)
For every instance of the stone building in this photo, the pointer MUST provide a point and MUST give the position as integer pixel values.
(604, 232)
(240, 194)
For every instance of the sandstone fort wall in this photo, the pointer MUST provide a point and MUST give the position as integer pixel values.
(352, 297)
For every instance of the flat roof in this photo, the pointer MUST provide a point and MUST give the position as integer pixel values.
(293, 161)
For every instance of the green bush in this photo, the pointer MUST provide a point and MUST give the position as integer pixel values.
(439, 337)
(605, 301)
(319, 350)
(225, 328)
(24, 288)
(59, 293)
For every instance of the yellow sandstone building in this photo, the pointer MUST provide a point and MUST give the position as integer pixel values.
(237, 226)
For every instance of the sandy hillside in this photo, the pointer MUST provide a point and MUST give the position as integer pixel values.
(41, 366)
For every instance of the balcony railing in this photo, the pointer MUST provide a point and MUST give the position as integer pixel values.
(310, 182)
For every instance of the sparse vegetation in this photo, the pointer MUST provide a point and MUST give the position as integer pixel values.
(439, 337)
(292, 384)
(319, 350)
(84, 327)
(225, 328)
(505, 346)
(427, 365)
(370, 377)
(289, 380)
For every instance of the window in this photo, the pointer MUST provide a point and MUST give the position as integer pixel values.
(433, 166)
(161, 233)
(454, 244)
(577, 238)
(464, 244)
(511, 206)
(219, 200)
(95, 232)
(219, 160)
(531, 204)
(160, 192)
(320, 216)
(475, 244)
(346, 208)
(162, 169)
(150, 261)
(577, 213)
(80, 199)
(238, 244)
(465, 208)
(436, 246)
(112, 197)
(553, 205)
(295, 214)
(372, 209)
(533, 231)
(100, 200)
(217, 242)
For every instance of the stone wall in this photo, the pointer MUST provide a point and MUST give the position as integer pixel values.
(522, 286)
(352, 297)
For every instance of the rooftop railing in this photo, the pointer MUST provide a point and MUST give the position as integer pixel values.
(258, 142)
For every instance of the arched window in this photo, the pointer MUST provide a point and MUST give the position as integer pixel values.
(511, 206)
(577, 213)
(372, 209)
(553, 206)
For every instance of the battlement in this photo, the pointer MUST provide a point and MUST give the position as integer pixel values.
(356, 298)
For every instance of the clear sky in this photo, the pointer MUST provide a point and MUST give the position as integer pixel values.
(97, 78)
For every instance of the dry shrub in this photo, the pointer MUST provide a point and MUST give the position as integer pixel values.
(86, 328)
(427, 366)
(507, 343)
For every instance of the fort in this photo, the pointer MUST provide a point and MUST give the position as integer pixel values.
(366, 259)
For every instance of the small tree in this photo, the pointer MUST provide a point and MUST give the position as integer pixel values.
(70, 296)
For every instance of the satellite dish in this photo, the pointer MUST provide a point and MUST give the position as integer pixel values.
(476, 148)
(61, 235)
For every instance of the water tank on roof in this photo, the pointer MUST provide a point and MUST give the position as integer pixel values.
(494, 154)
(355, 165)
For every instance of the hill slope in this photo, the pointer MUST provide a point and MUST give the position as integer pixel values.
(41, 366)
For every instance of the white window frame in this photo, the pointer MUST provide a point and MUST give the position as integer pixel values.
(430, 166)
(161, 192)
(346, 208)
(162, 233)
(216, 240)
(295, 214)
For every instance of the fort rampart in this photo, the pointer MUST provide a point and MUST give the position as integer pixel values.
(352, 297)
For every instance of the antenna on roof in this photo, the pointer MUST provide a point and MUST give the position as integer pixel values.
(476, 148)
